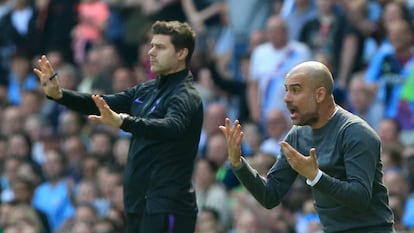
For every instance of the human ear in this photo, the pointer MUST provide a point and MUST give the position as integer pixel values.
(182, 54)
(320, 94)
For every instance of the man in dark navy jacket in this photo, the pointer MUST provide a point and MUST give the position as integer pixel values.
(165, 118)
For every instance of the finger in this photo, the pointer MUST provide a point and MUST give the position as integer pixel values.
(98, 101)
(232, 131)
(226, 128)
(285, 146)
(312, 153)
(42, 63)
(46, 66)
(38, 73)
(95, 118)
(238, 135)
(223, 130)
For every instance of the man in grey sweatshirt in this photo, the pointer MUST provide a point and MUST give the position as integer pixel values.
(336, 151)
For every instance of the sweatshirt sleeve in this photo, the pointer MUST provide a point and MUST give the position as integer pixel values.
(267, 191)
(361, 148)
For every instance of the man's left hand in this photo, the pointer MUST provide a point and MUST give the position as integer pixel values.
(108, 116)
(307, 166)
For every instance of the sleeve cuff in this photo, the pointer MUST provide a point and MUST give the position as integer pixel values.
(314, 181)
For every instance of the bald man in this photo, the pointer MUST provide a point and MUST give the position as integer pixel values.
(335, 151)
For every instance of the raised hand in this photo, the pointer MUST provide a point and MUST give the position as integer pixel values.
(108, 116)
(234, 137)
(307, 166)
(48, 78)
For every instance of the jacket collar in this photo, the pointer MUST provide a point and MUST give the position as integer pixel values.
(163, 79)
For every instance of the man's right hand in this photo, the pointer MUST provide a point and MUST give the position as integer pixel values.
(234, 137)
(49, 85)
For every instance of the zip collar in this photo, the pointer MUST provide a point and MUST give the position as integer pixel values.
(163, 79)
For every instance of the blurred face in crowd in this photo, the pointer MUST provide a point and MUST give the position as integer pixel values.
(69, 123)
(213, 118)
(217, 149)
(82, 227)
(204, 175)
(360, 96)
(10, 167)
(92, 67)
(34, 126)
(68, 77)
(5, 209)
(276, 31)
(31, 102)
(53, 166)
(388, 131)
(90, 166)
(400, 35)
(247, 223)
(256, 39)
(277, 124)
(122, 79)
(22, 191)
(27, 171)
(324, 6)
(101, 144)
(55, 58)
(20, 66)
(108, 181)
(74, 150)
(87, 192)
(3, 149)
(392, 12)
(395, 182)
(18, 146)
(109, 57)
(104, 225)
(85, 213)
(120, 150)
(12, 229)
(12, 120)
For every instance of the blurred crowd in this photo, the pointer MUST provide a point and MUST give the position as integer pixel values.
(61, 173)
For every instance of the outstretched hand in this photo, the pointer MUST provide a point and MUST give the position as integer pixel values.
(234, 137)
(307, 166)
(48, 78)
(108, 116)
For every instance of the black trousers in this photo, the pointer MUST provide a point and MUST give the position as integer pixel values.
(160, 223)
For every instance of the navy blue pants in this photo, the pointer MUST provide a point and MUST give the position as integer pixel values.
(160, 223)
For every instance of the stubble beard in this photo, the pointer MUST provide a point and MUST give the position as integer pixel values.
(307, 119)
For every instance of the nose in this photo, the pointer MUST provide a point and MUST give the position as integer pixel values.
(287, 98)
(151, 51)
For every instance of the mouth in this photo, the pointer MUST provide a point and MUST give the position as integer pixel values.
(293, 112)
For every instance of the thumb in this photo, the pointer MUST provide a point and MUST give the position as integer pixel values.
(95, 118)
(312, 153)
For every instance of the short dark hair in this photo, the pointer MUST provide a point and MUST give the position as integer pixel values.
(182, 35)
